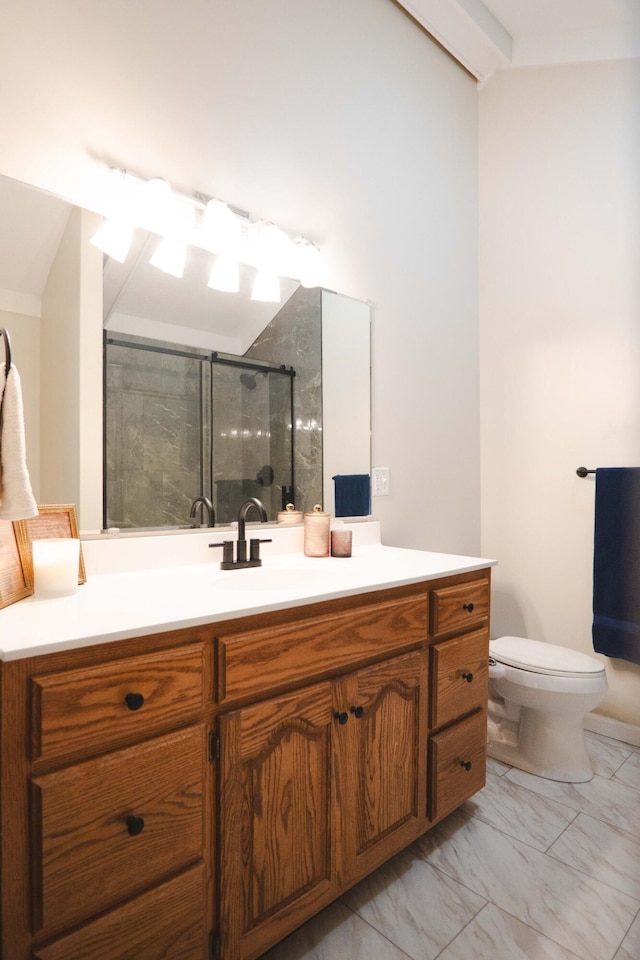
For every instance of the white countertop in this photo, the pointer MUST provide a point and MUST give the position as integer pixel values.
(115, 606)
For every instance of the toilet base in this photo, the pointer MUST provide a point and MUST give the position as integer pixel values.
(547, 745)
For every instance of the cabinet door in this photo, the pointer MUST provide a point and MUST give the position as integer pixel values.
(382, 767)
(276, 838)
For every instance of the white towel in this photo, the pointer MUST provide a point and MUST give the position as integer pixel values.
(16, 499)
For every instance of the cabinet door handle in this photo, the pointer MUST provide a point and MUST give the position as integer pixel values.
(468, 606)
(468, 677)
(135, 825)
(466, 764)
(134, 700)
(357, 711)
(341, 717)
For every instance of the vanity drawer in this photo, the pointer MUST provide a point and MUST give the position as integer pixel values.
(457, 764)
(459, 675)
(169, 923)
(96, 708)
(111, 827)
(252, 663)
(455, 608)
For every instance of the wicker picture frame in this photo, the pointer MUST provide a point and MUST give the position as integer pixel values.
(53, 520)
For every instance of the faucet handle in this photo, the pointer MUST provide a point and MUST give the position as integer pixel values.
(254, 547)
(227, 550)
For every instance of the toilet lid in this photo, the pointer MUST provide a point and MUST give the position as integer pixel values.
(547, 658)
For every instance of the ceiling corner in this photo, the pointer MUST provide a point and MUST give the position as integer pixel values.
(467, 30)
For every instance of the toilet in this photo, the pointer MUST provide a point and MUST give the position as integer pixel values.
(539, 694)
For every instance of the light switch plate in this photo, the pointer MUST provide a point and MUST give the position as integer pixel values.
(381, 477)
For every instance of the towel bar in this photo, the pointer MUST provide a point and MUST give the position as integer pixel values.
(582, 471)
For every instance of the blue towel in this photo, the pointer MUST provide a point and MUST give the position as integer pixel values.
(352, 495)
(616, 564)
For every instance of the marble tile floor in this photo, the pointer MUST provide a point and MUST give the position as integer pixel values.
(528, 869)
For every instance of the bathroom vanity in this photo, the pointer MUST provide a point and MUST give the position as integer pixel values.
(200, 789)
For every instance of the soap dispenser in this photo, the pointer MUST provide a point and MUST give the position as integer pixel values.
(317, 535)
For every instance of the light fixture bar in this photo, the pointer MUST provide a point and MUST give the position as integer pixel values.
(220, 228)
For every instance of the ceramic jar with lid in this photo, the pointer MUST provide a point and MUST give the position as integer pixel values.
(317, 533)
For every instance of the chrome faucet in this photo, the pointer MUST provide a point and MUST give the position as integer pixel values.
(241, 560)
(204, 504)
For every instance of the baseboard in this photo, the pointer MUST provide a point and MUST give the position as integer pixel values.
(608, 727)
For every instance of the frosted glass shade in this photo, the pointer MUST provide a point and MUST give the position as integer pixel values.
(170, 257)
(225, 275)
(221, 229)
(114, 238)
(266, 287)
(153, 208)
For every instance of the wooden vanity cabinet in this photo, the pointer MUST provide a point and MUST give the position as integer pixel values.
(200, 793)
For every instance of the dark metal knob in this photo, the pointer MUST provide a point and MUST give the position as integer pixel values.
(135, 825)
(341, 717)
(134, 700)
(468, 677)
(357, 711)
(468, 606)
(466, 764)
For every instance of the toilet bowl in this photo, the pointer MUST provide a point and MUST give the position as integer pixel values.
(539, 694)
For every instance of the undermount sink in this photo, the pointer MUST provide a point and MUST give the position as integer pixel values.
(265, 578)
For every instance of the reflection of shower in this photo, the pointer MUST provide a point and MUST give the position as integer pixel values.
(207, 403)
(248, 380)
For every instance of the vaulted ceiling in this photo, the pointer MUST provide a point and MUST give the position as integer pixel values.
(490, 35)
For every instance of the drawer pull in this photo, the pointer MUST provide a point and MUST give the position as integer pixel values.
(468, 677)
(357, 712)
(468, 606)
(135, 825)
(134, 700)
(341, 718)
(466, 764)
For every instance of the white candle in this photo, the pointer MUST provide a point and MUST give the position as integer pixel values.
(55, 566)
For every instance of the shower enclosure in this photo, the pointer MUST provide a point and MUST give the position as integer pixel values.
(179, 424)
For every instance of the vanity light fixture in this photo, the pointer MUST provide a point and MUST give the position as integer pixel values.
(180, 221)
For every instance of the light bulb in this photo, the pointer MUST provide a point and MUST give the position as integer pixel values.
(271, 249)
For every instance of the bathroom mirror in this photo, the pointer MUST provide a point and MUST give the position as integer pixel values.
(53, 302)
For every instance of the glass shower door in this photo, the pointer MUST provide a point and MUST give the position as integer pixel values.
(252, 438)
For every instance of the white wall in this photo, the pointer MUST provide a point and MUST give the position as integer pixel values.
(339, 120)
(71, 374)
(560, 338)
